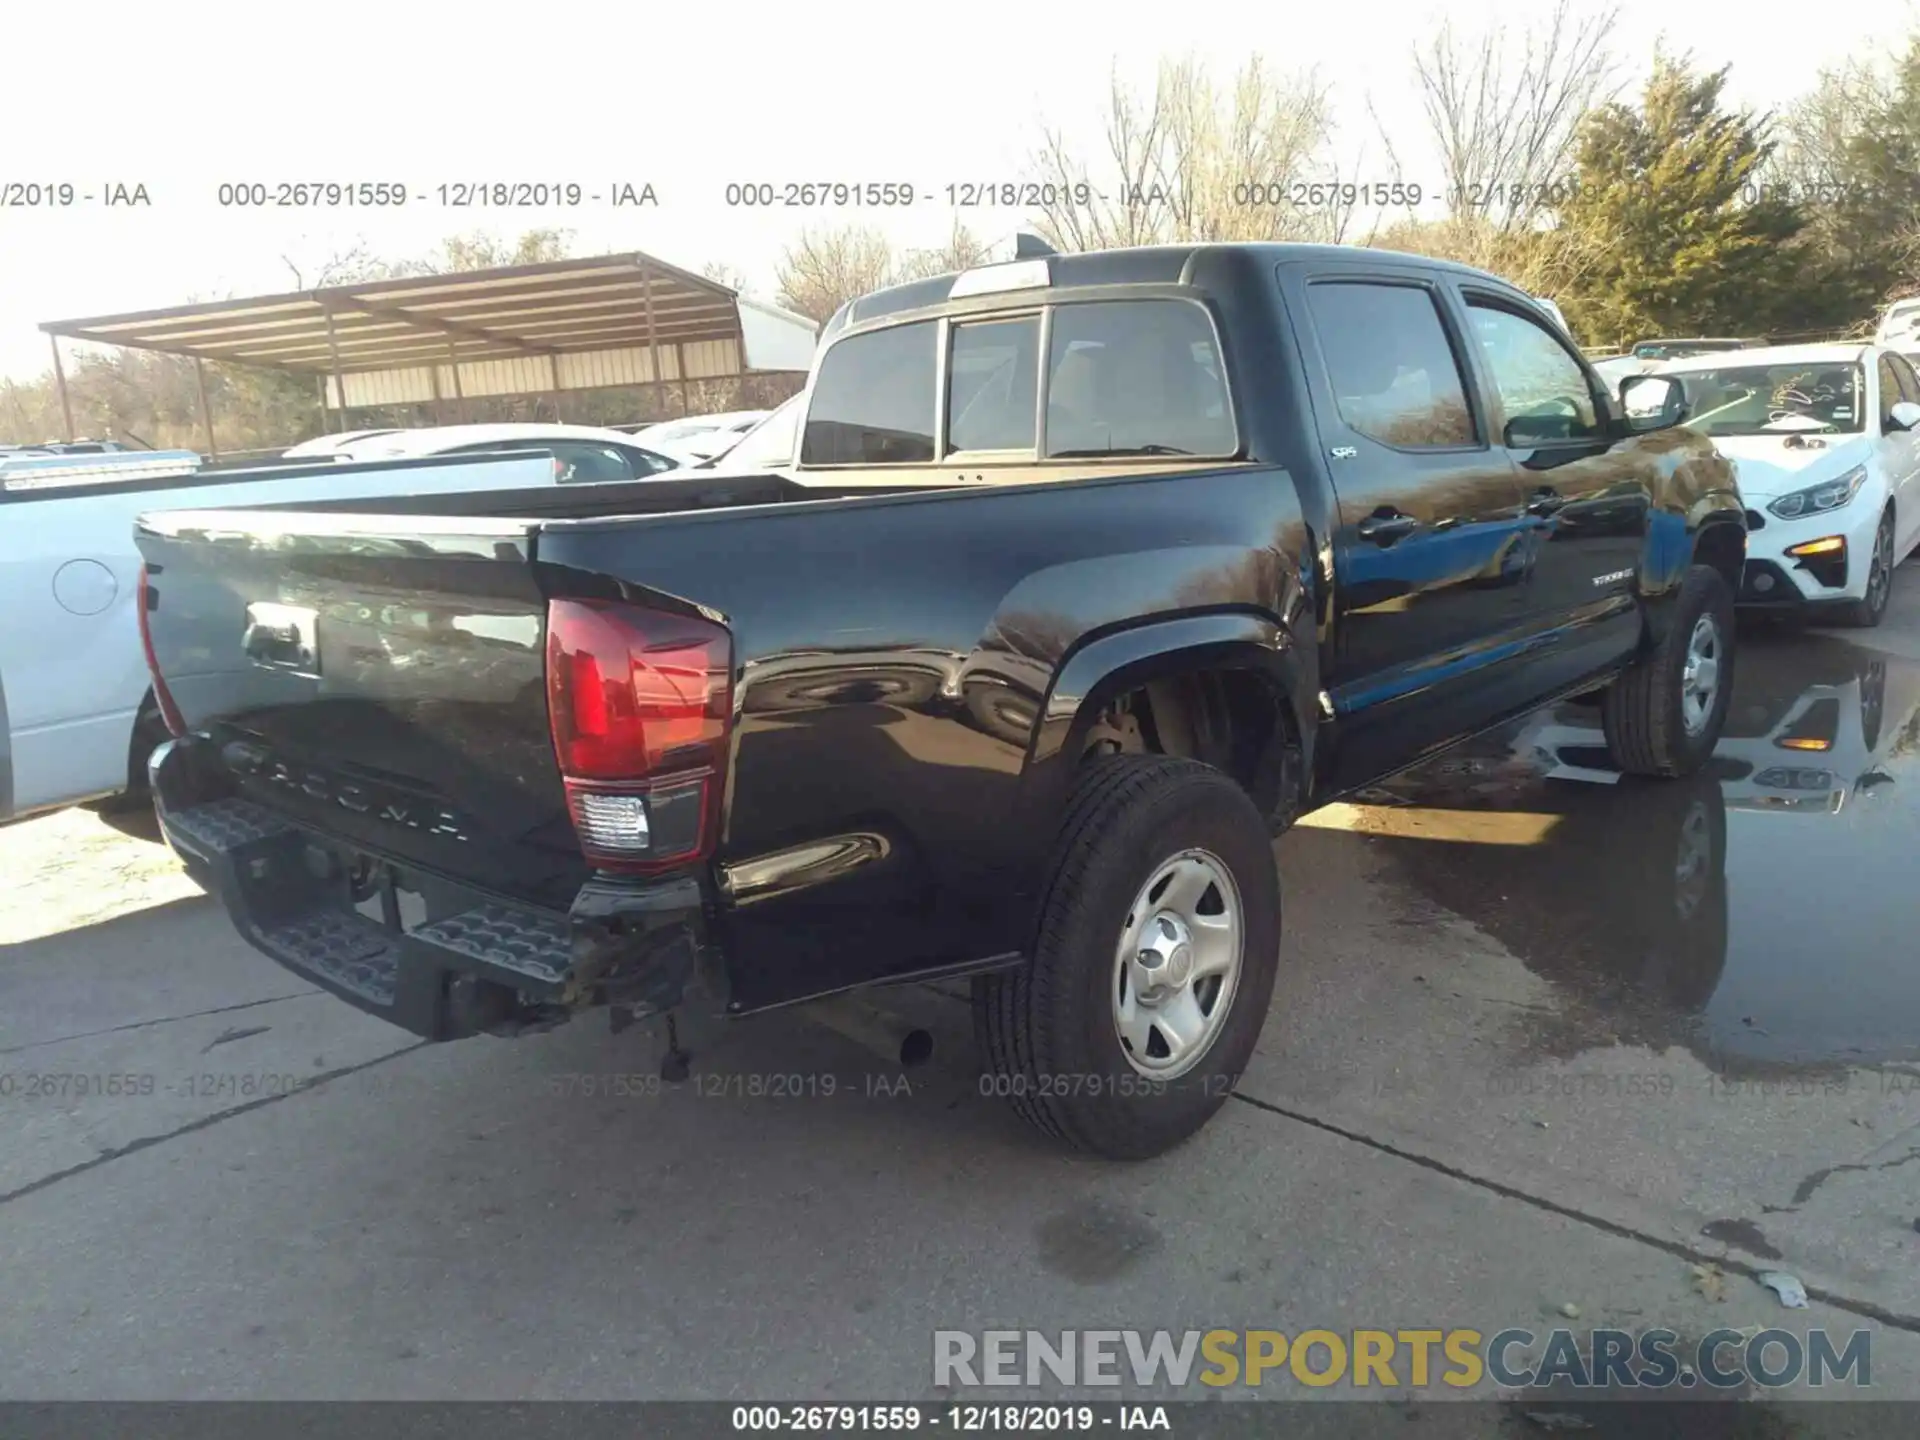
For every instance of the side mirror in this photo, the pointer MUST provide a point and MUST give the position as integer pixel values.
(1652, 402)
(1905, 415)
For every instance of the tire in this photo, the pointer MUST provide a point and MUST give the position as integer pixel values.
(1645, 713)
(1871, 609)
(149, 733)
(1679, 900)
(1050, 1033)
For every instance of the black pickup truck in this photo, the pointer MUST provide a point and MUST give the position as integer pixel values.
(1093, 572)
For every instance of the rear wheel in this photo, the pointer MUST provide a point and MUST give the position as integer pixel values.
(149, 733)
(1153, 965)
(1871, 608)
(1663, 716)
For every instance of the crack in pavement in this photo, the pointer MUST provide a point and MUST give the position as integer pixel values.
(1803, 1192)
(160, 1020)
(1866, 1309)
(146, 1142)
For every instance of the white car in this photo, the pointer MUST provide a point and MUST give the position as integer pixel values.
(767, 447)
(699, 437)
(1900, 328)
(582, 454)
(77, 714)
(1825, 441)
(328, 446)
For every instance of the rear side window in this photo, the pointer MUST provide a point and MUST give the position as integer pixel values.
(1136, 376)
(873, 399)
(992, 374)
(1394, 375)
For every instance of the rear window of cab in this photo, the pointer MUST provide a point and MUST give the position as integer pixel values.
(1125, 377)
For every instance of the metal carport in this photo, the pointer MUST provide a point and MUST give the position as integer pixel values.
(545, 329)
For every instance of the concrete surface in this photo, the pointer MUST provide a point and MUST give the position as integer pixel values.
(1498, 1079)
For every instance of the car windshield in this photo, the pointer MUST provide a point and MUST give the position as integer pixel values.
(1817, 396)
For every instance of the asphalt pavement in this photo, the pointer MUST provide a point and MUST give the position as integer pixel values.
(1547, 1050)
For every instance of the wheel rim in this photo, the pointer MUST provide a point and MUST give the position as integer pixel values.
(1880, 568)
(1178, 963)
(1692, 862)
(1700, 679)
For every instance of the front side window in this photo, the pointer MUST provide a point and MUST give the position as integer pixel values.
(1889, 394)
(1393, 372)
(1541, 386)
(1909, 382)
(873, 399)
(585, 464)
(1136, 377)
(1776, 399)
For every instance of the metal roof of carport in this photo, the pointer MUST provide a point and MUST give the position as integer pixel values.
(602, 303)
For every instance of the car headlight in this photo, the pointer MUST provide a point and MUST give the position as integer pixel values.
(1827, 495)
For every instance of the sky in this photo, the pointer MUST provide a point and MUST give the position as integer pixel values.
(184, 97)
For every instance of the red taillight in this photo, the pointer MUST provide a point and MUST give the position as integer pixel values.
(169, 712)
(639, 701)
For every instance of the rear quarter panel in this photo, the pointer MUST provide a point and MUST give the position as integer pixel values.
(893, 660)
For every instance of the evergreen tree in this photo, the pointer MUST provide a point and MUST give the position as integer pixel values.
(1689, 242)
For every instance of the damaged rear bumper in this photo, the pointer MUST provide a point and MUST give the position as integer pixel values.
(476, 964)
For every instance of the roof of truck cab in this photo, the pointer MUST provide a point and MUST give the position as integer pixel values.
(1143, 265)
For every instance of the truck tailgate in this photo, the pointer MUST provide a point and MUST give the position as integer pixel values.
(380, 679)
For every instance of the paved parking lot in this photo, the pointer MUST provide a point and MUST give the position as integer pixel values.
(1543, 1047)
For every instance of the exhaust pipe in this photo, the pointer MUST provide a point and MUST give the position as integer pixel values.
(893, 1037)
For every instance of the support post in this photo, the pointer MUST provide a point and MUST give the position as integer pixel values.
(653, 338)
(339, 385)
(453, 359)
(206, 410)
(439, 410)
(680, 369)
(60, 383)
(553, 371)
(326, 415)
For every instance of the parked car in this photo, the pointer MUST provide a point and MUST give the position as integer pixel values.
(78, 714)
(1899, 328)
(989, 688)
(767, 448)
(699, 437)
(1682, 348)
(581, 453)
(331, 445)
(1826, 440)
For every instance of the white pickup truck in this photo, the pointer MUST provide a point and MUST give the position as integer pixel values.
(77, 716)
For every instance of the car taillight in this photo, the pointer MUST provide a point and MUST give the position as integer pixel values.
(639, 702)
(169, 712)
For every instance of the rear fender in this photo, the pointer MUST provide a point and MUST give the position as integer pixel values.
(1102, 669)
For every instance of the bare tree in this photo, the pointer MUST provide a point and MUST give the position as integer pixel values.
(1198, 161)
(1815, 131)
(824, 269)
(731, 276)
(483, 250)
(962, 251)
(1504, 116)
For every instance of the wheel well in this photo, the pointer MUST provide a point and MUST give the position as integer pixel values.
(1724, 547)
(1233, 720)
